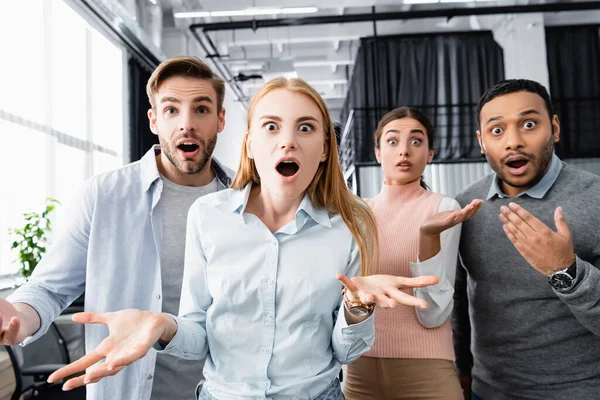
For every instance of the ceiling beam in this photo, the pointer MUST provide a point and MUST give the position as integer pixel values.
(334, 5)
(317, 51)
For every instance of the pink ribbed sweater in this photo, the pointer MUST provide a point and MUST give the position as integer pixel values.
(399, 211)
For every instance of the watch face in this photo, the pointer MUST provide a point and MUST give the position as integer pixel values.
(360, 311)
(561, 280)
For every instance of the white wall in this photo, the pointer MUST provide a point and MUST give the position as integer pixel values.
(177, 42)
(523, 39)
(229, 144)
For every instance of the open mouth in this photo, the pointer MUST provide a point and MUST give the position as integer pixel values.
(287, 168)
(188, 147)
(516, 164)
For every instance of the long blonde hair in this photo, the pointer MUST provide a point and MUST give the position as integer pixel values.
(328, 188)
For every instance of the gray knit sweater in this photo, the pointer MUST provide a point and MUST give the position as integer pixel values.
(518, 337)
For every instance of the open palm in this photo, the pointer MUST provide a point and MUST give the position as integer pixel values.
(441, 221)
(132, 334)
(386, 290)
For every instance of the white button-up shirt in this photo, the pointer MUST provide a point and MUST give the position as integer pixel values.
(265, 306)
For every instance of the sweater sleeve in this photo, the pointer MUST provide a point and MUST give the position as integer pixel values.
(584, 297)
(461, 324)
(439, 297)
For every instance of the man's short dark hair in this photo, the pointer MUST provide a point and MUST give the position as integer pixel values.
(513, 86)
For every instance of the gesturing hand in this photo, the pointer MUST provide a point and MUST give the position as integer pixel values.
(545, 250)
(441, 221)
(10, 324)
(132, 334)
(384, 290)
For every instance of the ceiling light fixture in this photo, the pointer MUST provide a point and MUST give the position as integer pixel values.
(232, 13)
(457, 1)
(322, 63)
(328, 82)
(253, 12)
(191, 14)
(420, 1)
(299, 10)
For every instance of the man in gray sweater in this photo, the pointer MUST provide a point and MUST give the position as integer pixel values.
(527, 302)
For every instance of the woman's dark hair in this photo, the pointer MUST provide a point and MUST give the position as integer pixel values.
(406, 112)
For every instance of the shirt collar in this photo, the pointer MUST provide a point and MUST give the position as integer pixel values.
(539, 190)
(319, 215)
(150, 171)
(148, 167)
(239, 199)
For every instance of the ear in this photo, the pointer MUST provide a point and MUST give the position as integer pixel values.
(431, 153)
(480, 141)
(325, 150)
(221, 121)
(378, 155)
(555, 128)
(248, 142)
(152, 119)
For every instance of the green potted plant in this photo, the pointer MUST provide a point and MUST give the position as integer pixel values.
(30, 240)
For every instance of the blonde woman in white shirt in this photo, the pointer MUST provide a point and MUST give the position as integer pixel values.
(260, 297)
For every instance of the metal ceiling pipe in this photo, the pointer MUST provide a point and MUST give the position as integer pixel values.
(222, 69)
(399, 15)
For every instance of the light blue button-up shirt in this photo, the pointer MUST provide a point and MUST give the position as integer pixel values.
(109, 246)
(538, 190)
(265, 306)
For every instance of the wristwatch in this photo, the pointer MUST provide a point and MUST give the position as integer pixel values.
(563, 279)
(356, 307)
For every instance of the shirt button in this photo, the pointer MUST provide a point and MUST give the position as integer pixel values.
(270, 282)
(266, 351)
(274, 242)
(269, 317)
(158, 296)
(149, 376)
(266, 385)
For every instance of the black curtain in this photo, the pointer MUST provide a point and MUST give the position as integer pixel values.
(443, 75)
(141, 137)
(573, 54)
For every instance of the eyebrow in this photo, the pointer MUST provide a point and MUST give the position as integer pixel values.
(411, 131)
(521, 114)
(170, 99)
(298, 120)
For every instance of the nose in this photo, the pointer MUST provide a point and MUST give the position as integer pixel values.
(186, 123)
(514, 139)
(403, 149)
(288, 140)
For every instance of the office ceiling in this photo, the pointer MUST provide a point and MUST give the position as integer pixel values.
(324, 53)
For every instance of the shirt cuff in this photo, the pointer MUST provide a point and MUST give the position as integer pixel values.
(33, 296)
(431, 266)
(177, 339)
(361, 329)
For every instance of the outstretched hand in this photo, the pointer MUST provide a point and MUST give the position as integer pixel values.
(132, 334)
(385, 290)
(10, 324)
(441, 221)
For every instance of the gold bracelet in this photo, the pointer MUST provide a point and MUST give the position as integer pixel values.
(357, 307)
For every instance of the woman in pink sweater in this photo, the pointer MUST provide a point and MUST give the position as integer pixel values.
(419, 232)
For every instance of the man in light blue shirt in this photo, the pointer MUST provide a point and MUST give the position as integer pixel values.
(113, 244)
